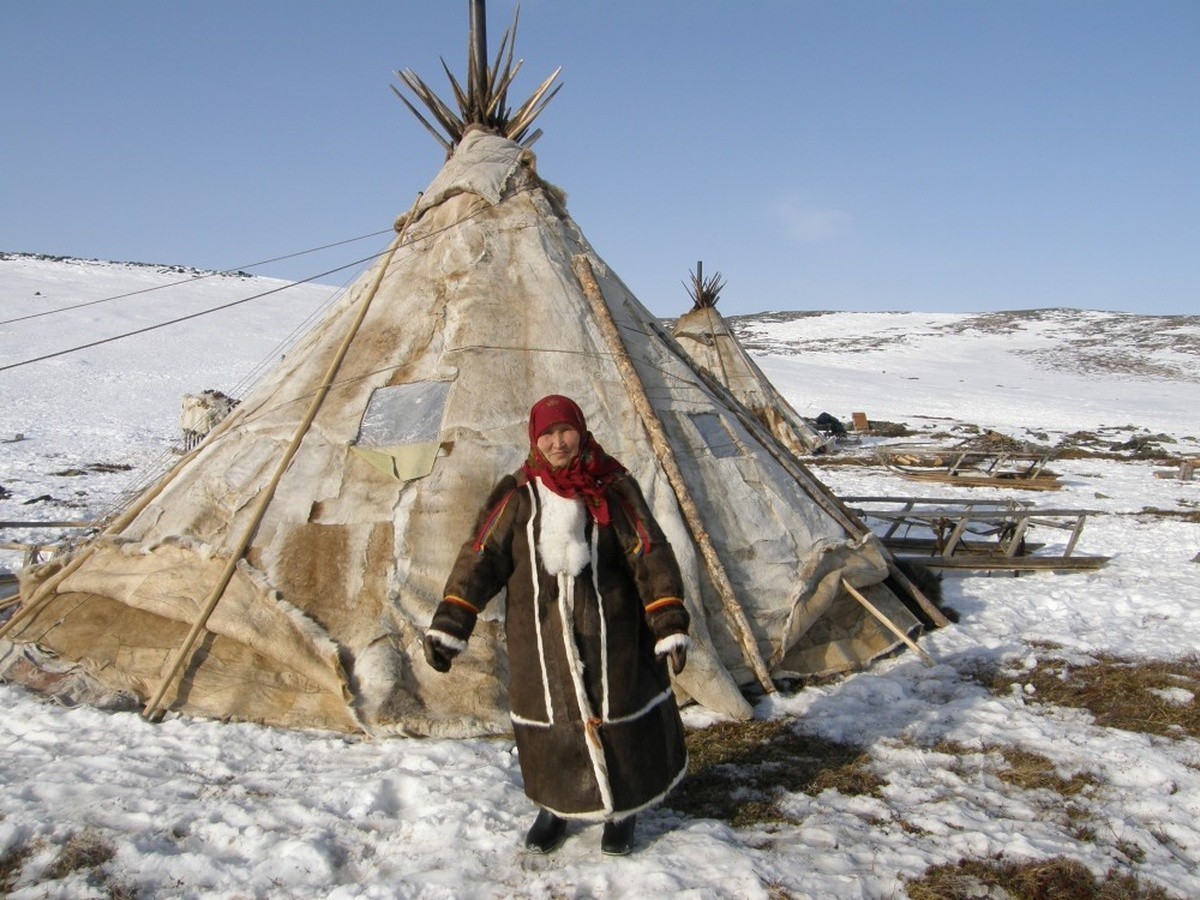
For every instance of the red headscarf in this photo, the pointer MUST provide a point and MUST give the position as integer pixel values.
(587, 474)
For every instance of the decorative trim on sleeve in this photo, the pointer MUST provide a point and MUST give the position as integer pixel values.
(449, 641)
(459, 601)
(663, 603)
(672, 642)
(643, 535)
(489, 524)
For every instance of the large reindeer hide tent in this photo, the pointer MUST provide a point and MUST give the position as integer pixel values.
(285, 570)
(707, 338)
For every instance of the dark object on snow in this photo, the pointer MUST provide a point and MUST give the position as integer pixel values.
(829, 424)
(929, 583)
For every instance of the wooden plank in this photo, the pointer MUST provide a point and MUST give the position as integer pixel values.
(1014, 541)
(1041, 483)
(916, 545)
(75, 523)
(887, 623)
(1013, 563)
(945, 501)
(1075, 535)
(956, 535)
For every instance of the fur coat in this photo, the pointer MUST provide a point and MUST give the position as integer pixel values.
(589, 612)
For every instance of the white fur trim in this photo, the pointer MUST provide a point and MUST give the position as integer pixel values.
(665, 695)
(566, 613)
(449, 641)
(530, 723)
(672, 642)
(606, 815)
(603, 623)
(561, 542)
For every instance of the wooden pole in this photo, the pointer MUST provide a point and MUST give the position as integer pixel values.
(477, 64)
(888, 623)
(666, 458)
(184, 654)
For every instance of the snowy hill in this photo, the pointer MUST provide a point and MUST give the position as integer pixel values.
(116, 406)
(1045, 370)
(199, 809)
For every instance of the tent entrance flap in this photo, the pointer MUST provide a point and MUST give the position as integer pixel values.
(400, 428)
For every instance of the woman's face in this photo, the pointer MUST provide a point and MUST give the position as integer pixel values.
(559, 444)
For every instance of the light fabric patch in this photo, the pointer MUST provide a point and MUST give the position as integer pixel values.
(402, 463)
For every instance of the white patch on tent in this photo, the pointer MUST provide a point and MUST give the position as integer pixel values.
(400, 428)
(482, 166)
(716, 435)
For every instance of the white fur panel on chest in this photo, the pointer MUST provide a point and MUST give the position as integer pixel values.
(562, 538)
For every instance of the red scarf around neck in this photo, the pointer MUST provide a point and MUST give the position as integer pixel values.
(588, 473)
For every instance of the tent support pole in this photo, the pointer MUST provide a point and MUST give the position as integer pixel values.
(154, 709)
(888, 623)
(666, 458)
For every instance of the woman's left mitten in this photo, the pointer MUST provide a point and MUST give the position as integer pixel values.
(439, 653)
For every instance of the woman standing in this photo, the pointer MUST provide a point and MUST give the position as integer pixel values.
(593, 612)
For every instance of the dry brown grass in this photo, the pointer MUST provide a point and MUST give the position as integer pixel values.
(1025, 769)
(737, 771)
(81, 851)
(1049, 879)
(1120, 693)
(1031, 771)
(10, 866)
(85, 851)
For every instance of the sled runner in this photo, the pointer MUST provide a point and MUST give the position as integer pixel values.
(972, 467)
(971, 534)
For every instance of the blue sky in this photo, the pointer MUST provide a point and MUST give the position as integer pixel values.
(938, 156)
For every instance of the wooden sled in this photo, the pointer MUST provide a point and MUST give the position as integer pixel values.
(966, 534)
(31, 554)
(972, 467)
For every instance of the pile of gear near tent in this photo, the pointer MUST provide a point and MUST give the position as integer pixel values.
(284, 571)
(707, 338)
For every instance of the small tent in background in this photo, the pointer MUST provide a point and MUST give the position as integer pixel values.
(285, 570)
(706, 337)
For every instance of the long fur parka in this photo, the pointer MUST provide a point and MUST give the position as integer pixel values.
(590, 612)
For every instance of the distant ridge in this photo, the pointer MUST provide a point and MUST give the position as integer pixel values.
(1129, 345)
(165, 268)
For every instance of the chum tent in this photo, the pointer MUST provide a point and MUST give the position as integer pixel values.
(707, 338)
(284, 571)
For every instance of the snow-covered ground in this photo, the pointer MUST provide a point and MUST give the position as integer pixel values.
(199, 809)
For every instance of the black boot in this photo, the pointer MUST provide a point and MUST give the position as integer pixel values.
(547, 833)
(617, 839)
